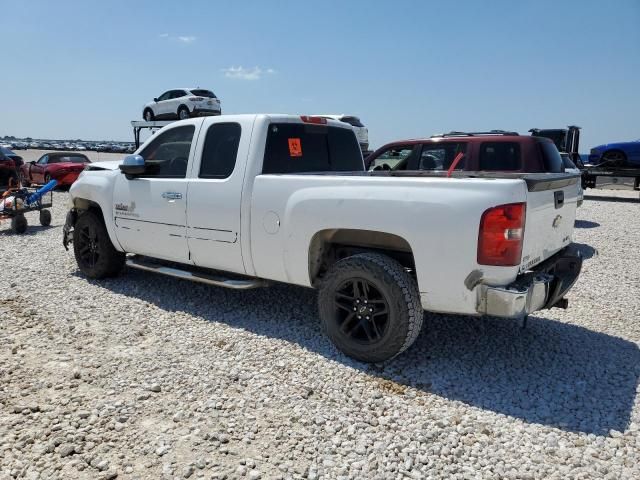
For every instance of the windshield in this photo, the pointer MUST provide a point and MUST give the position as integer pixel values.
(353, 121)
(70, 159)
(203, 93)
(6, 151)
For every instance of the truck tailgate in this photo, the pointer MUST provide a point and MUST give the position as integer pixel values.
(550, 217)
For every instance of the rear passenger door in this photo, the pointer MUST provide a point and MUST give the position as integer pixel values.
(215, 194)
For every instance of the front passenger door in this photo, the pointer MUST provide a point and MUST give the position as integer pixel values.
(150, 209)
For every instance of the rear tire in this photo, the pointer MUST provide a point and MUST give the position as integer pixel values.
(19, 224)
(614, 158)
(47, 178)
(45, 218)
(183, 113)
(147, 115)
(370, 307)
(95, 254)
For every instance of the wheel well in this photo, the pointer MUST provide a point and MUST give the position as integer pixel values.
(329, 246)
(616, 150)
(182, 105)
(84, 205)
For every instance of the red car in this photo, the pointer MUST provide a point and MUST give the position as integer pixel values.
(9, 165)
(60, 166)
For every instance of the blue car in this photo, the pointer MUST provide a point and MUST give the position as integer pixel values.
(622, 154)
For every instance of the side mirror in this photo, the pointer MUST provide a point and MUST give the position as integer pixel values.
(132, 165)
(155, 99)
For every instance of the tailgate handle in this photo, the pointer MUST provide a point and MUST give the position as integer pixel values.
(558, 198)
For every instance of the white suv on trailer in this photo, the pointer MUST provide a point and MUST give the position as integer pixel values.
(182, 103)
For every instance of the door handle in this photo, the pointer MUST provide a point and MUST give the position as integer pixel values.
(171, 195)
(558, 198)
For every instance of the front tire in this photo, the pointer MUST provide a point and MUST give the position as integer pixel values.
(147, 115)
(370, 307)
(95, 254)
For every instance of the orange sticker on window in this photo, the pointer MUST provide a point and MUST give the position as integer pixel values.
(295, 147)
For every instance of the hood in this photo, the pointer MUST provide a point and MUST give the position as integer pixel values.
(72, 165)
(608, 146)
(110, 165)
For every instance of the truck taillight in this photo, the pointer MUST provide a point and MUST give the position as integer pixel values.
(311, 119)
(501, 235)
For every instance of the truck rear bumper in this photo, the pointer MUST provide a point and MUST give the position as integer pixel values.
(542, 287)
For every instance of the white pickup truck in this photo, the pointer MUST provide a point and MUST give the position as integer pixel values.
(243, 200)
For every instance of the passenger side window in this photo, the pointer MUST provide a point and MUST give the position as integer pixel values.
(220, 150)
(503, 156)
(164, 96)
(440, 156)
(167, 155)
(43, 160)
(177, 94)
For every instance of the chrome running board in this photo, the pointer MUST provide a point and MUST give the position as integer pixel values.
(196, 276)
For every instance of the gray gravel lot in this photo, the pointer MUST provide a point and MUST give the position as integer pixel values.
(150, 377)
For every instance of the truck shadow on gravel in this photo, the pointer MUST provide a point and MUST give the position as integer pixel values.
(551, 373)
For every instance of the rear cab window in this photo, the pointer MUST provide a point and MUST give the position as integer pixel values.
(500, 156)
(551, 158)
(305, 148)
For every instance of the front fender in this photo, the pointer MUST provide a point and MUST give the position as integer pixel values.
(96, 188)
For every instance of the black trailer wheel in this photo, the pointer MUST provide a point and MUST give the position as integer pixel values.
(148, 115)
(370, 307)
(94, 252)
(45, 218)
(19, 224)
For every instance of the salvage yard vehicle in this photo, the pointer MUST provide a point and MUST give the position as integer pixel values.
(182, 103)
(59, 166)
(496, 150)
(9, 165)
(242, 200)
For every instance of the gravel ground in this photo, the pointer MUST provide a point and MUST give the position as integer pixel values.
(150, 377)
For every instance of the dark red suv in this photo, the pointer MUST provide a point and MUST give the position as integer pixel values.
(496, 150)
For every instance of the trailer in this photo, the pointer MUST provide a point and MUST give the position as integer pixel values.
(615, 178)
(16, 201)
(139, 125)
(603, 175)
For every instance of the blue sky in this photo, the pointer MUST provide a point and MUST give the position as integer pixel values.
(83, 69)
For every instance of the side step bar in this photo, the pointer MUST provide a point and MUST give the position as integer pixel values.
(218, 281)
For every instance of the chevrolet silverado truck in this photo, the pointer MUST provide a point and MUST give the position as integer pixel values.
(241, 201)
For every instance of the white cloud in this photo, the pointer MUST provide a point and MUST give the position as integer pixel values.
(242, 73)
(186, 39)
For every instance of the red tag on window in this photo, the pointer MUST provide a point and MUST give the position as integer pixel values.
(295, 147)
